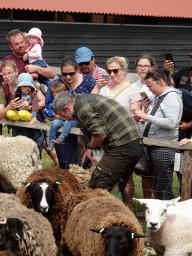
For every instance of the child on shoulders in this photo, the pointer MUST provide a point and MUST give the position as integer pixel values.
(34, 52)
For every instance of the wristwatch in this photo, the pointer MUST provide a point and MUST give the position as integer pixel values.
(89, 146)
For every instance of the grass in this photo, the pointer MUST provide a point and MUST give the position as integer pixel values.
(47, 162)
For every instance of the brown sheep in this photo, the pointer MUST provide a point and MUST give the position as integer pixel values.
(46, 191)
(99, 211)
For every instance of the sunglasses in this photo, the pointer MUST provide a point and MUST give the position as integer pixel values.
(115, 71)
(68, 74)
(86, 63)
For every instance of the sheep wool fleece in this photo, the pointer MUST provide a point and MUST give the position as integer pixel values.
(19, 157)
(69, 184)
(99, 212)
(39, 239)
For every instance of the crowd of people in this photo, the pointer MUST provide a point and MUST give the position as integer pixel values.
(113, 113)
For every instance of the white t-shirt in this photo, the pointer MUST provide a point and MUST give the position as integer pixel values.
(129, 95)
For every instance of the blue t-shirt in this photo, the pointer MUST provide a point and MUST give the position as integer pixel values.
(86, 86)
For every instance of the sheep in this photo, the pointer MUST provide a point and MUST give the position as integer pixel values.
(100, 224)
(45, 191)
(23, 231)
(169, 225)
(82, 175)
(19, 157)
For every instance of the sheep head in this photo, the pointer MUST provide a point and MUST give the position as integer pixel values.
(156, 211)
(11, 232)
(118, 239)
(43, 194)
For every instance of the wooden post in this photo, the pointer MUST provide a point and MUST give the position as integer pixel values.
(186, 170)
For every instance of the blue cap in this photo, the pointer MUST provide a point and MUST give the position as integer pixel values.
(83, 54)
(25, 79)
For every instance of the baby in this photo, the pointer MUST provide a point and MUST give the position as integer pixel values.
(34, 52)
(25, 90)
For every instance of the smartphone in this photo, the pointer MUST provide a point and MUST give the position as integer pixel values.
(18, 95)
(169, 57)
(106, 77)
(86, 163)
(144, 95)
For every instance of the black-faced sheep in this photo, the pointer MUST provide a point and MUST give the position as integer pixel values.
(117, 229)
(169, 226)
(45, 191)
(19, 157)
(23, 231)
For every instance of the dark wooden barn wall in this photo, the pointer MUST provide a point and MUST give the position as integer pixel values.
(62, 39)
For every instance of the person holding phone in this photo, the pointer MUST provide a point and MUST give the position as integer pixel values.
(182, 79)
(25, 90)
(128, 95)
(143, 64)
(10, 77)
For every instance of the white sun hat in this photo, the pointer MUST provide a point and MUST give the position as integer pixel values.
(36, 32)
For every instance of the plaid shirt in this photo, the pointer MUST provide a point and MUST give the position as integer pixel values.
(98, 115)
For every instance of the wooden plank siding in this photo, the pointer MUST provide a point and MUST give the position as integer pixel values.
(107, 40)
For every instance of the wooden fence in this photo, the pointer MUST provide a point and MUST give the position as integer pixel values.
(185, 160)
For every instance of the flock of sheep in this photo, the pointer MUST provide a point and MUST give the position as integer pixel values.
(54, 211)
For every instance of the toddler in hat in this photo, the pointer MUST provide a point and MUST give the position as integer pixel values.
(34, 52)
(25, 90)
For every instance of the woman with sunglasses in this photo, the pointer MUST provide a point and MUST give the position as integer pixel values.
(129, 96)
(74, 82)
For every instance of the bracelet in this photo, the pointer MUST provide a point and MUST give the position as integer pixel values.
(89, 146)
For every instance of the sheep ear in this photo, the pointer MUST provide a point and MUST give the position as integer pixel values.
(57, 182)
(15, 227)
(99, 230)
(172, 201)
(134, 234)
(141, 201)
(27, 184)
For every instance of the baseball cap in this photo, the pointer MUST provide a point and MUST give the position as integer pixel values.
(83, 54)
(25, 79)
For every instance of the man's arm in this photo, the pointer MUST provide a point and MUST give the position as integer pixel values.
(96, 141)
(45, 72)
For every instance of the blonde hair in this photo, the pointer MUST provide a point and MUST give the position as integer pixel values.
(9, 63)
(57, 87)
(121, 60)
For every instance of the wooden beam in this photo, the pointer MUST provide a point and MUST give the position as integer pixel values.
(185, 169)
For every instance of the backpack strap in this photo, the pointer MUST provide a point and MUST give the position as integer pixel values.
(154, 110)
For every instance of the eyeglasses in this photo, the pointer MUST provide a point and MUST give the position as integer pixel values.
(68, 74)
(115, 71)
(86, 63)
(145, 66)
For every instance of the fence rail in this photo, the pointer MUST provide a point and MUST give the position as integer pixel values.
(185, 160)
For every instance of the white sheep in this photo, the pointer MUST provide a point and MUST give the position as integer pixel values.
(19, 157)
(169, 226)
(23, 231)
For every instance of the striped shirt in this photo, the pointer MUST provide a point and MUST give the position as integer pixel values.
(98, 115)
